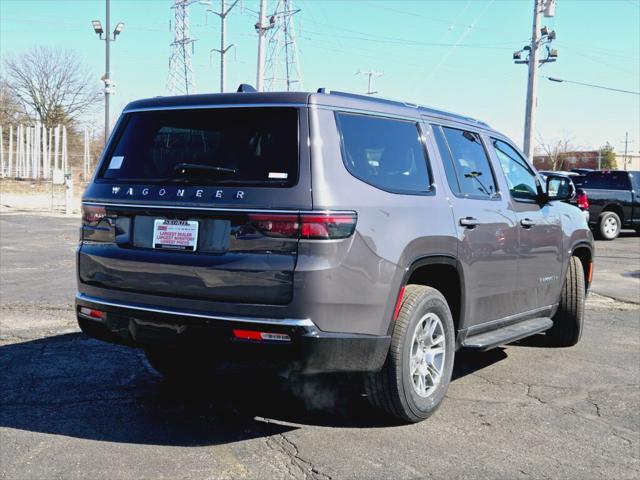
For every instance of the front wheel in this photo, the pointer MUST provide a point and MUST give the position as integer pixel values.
(569, 319)
(417, 372)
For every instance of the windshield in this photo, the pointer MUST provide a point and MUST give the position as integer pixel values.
(238, 146)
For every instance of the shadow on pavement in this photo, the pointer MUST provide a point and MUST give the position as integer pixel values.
(79, 387)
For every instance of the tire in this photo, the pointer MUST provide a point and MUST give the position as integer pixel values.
(569, 319)
(180, 364)
(609, 226)
(393, 390)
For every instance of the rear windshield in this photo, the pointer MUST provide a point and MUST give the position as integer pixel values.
(237, 146)
(605, 181)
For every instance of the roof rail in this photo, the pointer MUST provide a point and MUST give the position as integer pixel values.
(421, 108)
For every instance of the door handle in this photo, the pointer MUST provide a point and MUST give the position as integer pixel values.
(469, 222)
(527, 223)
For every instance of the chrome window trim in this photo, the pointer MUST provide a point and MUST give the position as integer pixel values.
(289, 322)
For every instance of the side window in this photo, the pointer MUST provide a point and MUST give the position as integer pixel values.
(607, 181)
(472, 168)
(447, 161)
(520, 177)
(383, 152)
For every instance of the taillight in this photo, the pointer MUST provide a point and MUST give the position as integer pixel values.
(92, 215)
(276, 225)
(312, 226)
(583, 201)
(327, 226)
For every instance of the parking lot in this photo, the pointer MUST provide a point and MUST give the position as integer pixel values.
(73, 407)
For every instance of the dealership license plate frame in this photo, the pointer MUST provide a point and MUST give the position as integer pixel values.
(174, 242)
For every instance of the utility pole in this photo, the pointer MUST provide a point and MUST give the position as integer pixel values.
(106, 78)
(626, 146)
(223, 49)
(539, 36)
(261, 30)
(370, 74)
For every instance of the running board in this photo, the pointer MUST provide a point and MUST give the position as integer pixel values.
(510, 333)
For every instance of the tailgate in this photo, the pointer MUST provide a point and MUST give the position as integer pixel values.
(232, 260)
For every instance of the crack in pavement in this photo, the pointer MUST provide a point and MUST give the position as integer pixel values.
(297, 467)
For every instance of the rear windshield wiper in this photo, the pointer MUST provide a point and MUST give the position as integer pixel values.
(189, 168)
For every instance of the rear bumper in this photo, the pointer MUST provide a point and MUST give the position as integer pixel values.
(309, 350)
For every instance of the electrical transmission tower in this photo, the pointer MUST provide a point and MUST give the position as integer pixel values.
(282, 69)
(181, 79)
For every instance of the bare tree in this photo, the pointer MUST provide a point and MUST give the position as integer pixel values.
(53, 84)
(556, 151)
(12, 110)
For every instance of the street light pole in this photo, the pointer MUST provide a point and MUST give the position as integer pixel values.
(107, 92)
(106, 78)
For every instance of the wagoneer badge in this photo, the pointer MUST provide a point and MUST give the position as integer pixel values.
(180, 193)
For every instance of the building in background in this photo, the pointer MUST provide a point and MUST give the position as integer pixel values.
(583, 159)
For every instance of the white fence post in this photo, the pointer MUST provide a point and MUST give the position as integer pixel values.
(10, 150)
(2, 169)
(68, 185)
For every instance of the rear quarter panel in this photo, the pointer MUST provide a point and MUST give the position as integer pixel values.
(358, 285)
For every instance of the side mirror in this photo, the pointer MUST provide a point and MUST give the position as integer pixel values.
(560, 188)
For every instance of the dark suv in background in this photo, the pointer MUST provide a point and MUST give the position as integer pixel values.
(613, 200)
(325, 232)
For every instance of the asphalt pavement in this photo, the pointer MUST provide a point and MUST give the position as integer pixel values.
(73, 407)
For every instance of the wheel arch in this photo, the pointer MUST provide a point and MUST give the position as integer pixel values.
(584, 252)
(615, 208)
(445, 274)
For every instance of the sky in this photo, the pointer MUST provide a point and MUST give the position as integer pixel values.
(454, 55)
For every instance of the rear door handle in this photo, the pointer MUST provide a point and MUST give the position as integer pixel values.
(527, 223)
(469, 222)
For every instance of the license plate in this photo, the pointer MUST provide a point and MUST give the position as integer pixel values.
(175, 234)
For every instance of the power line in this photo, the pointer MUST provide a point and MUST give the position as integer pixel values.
(560, 80)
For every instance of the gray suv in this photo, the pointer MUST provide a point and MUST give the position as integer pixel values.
(325, 232)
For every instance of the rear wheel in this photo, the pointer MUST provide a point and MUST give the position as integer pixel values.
(569, 319)
(417, 372)
(609, 225)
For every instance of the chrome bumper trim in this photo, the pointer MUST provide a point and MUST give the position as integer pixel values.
(288, 322)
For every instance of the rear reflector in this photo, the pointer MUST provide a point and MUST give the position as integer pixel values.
(396, 311)
(90, 312)
(261, 336)
(311, 226)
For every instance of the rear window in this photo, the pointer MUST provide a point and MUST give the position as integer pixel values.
(384, 152)
(606, 181)
(237, 146)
